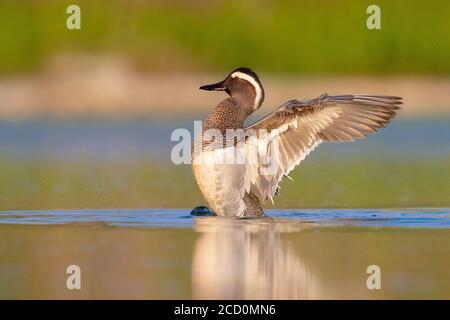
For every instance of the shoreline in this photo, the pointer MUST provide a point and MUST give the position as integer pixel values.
(112, 90)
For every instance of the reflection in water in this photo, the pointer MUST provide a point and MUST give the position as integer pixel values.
(138, 255)
(247, 259)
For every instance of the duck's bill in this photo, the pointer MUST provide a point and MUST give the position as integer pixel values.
(219, 86)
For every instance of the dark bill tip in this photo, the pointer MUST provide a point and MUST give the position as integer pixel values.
(219, 86)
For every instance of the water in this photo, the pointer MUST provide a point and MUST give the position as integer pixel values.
(162, 254)
(181, 218)
(125, 140)
(168, 254)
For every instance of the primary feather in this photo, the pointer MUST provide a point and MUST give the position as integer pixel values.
(292, 131)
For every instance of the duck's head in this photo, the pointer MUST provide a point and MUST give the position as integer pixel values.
(243, 85)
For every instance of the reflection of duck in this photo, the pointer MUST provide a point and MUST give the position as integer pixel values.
(246, 259)
(271, 148)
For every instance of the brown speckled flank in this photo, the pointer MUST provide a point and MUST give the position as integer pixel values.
(296, 127)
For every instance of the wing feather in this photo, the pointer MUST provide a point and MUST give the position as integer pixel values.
(298, 126)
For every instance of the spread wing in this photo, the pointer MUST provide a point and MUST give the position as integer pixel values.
(281, 140)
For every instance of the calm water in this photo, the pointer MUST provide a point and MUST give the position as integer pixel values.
(127, 140)
(292, 254)
(161, 253)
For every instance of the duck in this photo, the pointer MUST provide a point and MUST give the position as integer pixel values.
(239, 167)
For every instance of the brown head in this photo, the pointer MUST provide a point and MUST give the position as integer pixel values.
(243, 85)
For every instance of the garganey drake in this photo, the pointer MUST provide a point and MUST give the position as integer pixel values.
(239, 167)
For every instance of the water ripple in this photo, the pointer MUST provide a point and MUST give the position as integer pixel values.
(180, 218)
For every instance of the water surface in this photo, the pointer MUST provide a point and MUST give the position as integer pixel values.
(125, 140)
(181, 218)
(160, 254)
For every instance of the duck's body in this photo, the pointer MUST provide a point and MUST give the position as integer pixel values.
(273, 146)
(219, 181)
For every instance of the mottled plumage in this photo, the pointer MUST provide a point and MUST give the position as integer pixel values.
(273, 146)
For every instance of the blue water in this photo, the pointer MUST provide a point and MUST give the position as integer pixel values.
(125, 140)
(181, 218)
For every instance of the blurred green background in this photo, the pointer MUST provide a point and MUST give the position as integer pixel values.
(73, 160)
(276, 36)
(317, 183)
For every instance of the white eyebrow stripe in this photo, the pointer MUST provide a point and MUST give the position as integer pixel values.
(253, 82)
